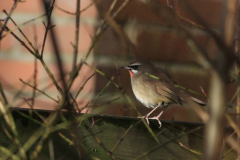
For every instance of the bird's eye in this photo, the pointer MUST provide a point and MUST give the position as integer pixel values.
(134, 67)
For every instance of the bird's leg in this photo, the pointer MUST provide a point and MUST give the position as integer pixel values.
(146, 117)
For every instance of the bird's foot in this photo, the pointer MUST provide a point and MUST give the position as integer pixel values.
(145, 117)
(159, 122)
(157, 118)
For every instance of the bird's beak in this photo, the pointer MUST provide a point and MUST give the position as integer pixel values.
(125, 67)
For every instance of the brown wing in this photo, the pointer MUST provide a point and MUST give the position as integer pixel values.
(165, 86)
(164, 89)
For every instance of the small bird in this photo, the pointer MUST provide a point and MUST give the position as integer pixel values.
(153, 92)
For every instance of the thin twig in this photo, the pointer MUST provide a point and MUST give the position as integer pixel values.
(45, 133)
(22, 43)
(99, 95)
(117, 68)
(75, 13)
(233, 143)
(38, 90)
(30, 118)
(20, 91)
(35, 38)
(235, 95)
(167, 142)
(109, 153)
(77, 30)
(10, 13)
(31, 20)
(51, 76)
(3, 94)
(20, 31)
(232, 124)
(81, 88)
(71, 13)
(7, 115)
(120, 8)
(34, 84)
(37, 134)
(6, 151)
(203, 91)
(74, 101)
(108, 102)
(224, 144)
(187, 20)
(229, 149)
(7, 133)
(121, 139)
(182, 145)
(111, 7)
(47, 28)
(70, 142)
(86, 106)
(89, 106)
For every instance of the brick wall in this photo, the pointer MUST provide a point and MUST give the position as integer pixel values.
(154, 37)
(16, 62)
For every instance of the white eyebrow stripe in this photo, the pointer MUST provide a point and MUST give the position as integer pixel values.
(135, 64)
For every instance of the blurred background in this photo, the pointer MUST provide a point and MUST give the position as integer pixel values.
(140, 29)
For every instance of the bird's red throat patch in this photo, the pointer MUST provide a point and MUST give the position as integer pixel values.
(131, 73)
